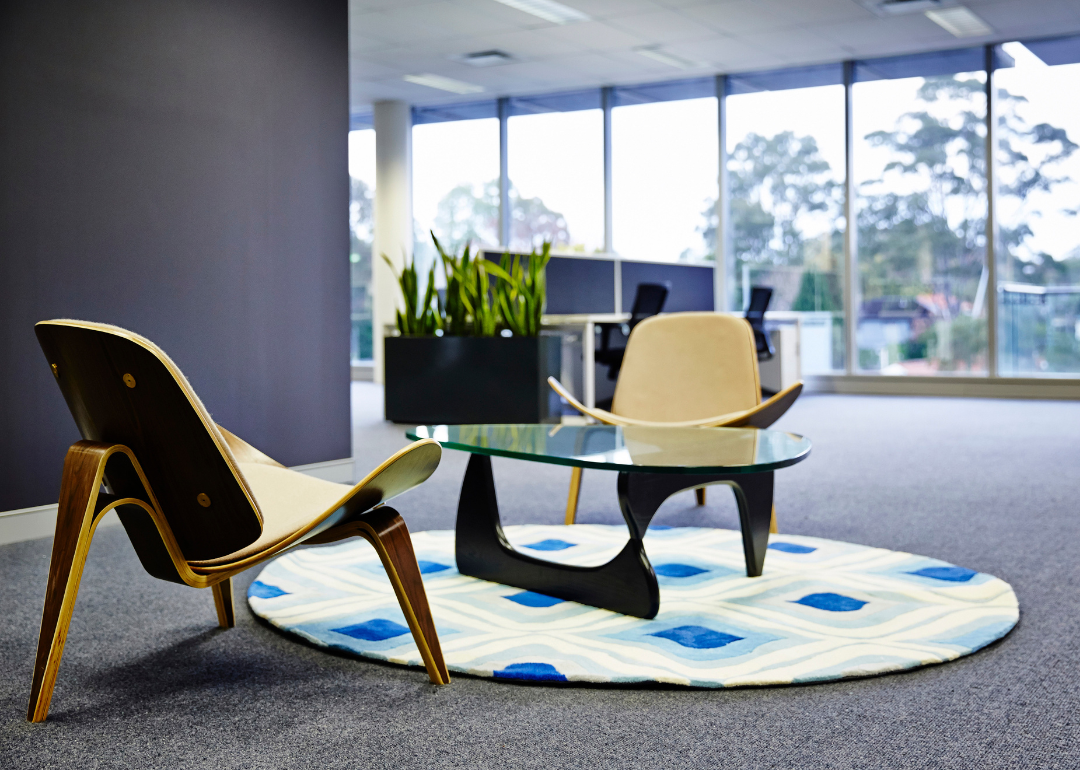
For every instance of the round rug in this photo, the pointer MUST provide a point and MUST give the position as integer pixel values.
(822, 610)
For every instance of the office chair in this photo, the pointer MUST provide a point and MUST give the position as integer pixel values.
(198, 503)
(686, 370)
(649, 300)
(760, 296)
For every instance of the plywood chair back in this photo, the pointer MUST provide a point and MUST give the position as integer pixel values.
(123, 389)
(688, 366)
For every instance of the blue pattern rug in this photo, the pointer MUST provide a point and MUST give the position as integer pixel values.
(822, 610)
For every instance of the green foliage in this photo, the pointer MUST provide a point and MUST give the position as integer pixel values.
(481, 298)
(818, 291)
(419, 318)
(522, 290)
(468, 214)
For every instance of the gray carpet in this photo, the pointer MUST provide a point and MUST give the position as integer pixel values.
(148, 681)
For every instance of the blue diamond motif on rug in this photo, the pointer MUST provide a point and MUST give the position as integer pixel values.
(374, 630)
(264, 591)
(831, 602)
(531, 599)
(530, 672)
(430, 567)
(678, 570)
(551, 544)
(791, 548)
(845, 611)
(950, 573)
(697, 637)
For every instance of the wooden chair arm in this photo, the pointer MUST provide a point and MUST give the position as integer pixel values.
(761, 416)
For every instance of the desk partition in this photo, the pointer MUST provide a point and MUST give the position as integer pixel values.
(586, 284)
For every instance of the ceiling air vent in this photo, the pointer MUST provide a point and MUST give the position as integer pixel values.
(487, 58)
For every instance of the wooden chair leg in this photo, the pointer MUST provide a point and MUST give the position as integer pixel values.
(223, 602)
(772, 522)
(575, 494)
(699, 493)
(384, 528)
(77, 517)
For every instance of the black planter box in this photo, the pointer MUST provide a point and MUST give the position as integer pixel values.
(458, 380)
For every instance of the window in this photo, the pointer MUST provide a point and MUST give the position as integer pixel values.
(361, 222)
(556, 169)
(455, 185)
(664, 179)
(920, 138)
(786, 175)
(1038, 166)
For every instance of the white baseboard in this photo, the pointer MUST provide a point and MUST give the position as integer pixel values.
(40, 521)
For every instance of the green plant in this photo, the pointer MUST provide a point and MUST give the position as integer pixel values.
(481, 298)
(419, 318)
(521, 290)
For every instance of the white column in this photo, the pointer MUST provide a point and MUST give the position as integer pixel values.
(393, 214)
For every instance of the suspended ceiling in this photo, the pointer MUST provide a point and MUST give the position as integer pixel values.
(390, 39)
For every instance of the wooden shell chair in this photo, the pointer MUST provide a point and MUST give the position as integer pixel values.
(199, 504)
(686, 370)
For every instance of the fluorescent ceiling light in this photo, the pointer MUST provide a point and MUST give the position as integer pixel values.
(444, 84)
(669, 59)
(548, 10)
(960, 21)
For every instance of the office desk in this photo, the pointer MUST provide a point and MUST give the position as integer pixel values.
(586, 324)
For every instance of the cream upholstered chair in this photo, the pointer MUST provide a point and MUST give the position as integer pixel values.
(198, 504)
(686, 370)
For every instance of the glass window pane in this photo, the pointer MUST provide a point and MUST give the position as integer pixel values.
(455, 185)
(361, 221)
(920, 146)
(786, 173)
(556, 173)
(1038, 166)
(664, 179)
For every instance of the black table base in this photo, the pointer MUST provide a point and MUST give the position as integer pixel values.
(627, 583)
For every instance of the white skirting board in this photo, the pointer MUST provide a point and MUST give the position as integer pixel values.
(40, 521)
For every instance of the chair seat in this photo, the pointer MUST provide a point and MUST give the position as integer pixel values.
(289, 502)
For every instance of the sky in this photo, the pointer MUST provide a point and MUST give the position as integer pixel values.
(665, 157)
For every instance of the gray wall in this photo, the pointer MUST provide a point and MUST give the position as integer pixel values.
(179, 168)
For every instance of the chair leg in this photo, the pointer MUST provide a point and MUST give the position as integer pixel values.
(572, 498)
(76, 519)
(772, 522)
(384, 528)
(223, 602)
(699, 493)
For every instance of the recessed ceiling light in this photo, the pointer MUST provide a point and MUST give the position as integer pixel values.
(669, 59)
(960, 21)
(444, 84)
(548, 10)
(486, 58)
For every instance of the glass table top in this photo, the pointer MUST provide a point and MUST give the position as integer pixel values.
(628, 449)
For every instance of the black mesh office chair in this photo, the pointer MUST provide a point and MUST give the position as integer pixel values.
(760, 296)
(648, 301)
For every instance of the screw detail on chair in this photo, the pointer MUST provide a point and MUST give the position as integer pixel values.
(55, 371)
(204, 500)
(129, 380)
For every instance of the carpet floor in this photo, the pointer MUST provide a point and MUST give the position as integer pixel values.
(148, 680)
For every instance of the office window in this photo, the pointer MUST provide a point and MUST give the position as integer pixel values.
(664, 176)
(455, 185)
(556, 169)
(921, 212)
(361, 229)
(786, 174)
(1038, 164)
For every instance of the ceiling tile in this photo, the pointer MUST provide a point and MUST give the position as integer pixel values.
(662, 27)
(736, 16)
(593, 36)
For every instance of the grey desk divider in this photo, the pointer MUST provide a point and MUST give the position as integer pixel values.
(587, 284)
(691, 285)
